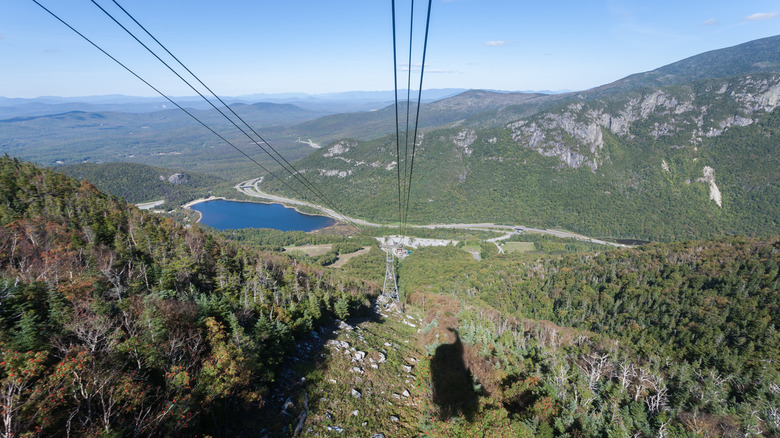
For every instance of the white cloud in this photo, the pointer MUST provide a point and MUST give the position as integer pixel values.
(761, 16)
(405, 67)
(710, 22)
(495, 43)
(428, 69)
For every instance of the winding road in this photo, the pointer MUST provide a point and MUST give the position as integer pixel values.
(250, 188)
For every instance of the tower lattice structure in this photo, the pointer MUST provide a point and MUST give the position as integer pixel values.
(390, 288)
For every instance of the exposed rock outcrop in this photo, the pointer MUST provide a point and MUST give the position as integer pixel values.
(179, 178)
(709, 177)
(575, 135)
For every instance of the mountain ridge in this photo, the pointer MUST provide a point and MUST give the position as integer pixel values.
(656, 163)
(757, 56)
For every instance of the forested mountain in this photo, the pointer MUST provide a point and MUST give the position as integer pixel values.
(479, 108)
(691, 160)
(168, 138)
(116, 322)
(139, 182)
(758, 56)
(670, 339)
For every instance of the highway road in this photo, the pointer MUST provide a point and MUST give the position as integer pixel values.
(250, 188)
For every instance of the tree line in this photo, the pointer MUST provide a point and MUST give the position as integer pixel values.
(114, 322)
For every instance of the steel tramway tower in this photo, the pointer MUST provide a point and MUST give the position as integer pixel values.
(390, 288)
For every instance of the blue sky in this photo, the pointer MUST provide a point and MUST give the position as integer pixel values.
(241, 47)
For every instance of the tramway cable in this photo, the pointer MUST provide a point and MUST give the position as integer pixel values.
(297, 174)
(408, 164)
(162, 94)
(408, 105)
(390, 288)
(308, 185)
(417, 117)
(397, 120)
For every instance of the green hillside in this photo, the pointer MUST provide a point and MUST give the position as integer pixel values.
(139, 183)
(114, 322)
(637, 165)
(668, 338)
(758, 56)
(118, 322)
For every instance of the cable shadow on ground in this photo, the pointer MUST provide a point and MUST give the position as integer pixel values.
(453, 388)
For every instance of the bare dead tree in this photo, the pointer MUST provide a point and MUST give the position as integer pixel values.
(662, 430)
(561, 378)
(625, 372)
(657, 401)
(773, 416)
(642, 382)
(594, 367)
(754, 428)
(95, 332)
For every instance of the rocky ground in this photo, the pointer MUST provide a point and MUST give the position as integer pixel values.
(364, 377)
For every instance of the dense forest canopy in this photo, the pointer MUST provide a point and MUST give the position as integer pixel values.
(679, 339)
(116, 321)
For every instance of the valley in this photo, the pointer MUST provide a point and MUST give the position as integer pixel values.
(250, 188)
(596, 263)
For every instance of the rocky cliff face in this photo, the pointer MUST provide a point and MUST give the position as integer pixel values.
(680, 161)
(702, 110)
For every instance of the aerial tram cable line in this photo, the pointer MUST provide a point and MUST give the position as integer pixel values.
(417, 117)
(397, 121)
(288, 167)
(346, 219)
(408, 107)
(404, 185)
(297, 174)
(158, 91)
(390, 288)
(408, 104)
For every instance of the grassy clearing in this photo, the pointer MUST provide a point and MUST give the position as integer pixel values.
(343, 259)
(519, 247)
(310, 250)
(472, 248)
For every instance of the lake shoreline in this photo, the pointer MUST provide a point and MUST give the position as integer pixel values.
(222, 198)
(276, 220)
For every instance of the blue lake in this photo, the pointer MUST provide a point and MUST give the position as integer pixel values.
(231, 215)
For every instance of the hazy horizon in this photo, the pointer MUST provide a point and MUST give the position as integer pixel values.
(317, 48)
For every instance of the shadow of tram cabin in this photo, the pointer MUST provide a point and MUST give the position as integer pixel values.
(453, 387)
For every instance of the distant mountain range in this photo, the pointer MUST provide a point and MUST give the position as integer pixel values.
(347, 101)
(686, 150)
